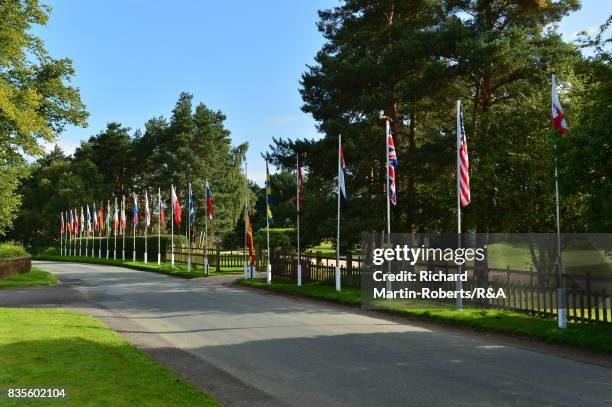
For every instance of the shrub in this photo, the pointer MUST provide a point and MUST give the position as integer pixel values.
(284, 238)
(11, 249)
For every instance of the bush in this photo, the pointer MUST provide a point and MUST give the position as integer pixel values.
(284, 238)
(140, 245)
(11, 249)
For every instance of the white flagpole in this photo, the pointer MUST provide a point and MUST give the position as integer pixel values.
(388, 125)
(268, 266)
(62, 236)
(81, 228)
(338, 285)
(108, 229)
(93, 240)
(122, 228)
(297, 194)
(206, 268)
(246, 214)
(115, 230)
(458, 283)
(159, 227)
(189, 230)
(100, 233)
(172, 228)
(134, 228)
(561, 307)
(147, 214)
(86, 229)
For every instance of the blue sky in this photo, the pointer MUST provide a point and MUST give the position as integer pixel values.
(244, 57)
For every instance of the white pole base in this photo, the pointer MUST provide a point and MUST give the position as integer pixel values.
(252, 271)
(172, 260)
(338, 288)
(107, 253)
(299, 275)
(561, 310)
(158, 259)
(269, 274)
(189, 264)
(246, 271)
(123, 255)
(100, 253)
(206, 266)
(145, 258)
(134, 255)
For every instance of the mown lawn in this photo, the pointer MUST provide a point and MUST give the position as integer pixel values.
(179, 270)
(35, 277)
(55, 348)
(597, 338)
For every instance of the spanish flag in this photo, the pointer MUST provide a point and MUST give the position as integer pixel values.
(250, 238)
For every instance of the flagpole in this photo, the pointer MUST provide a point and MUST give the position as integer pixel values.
(189, 231)
(87, 235)
(337, 270)
(297, 194)
(388, 125)
(61, 236)
(134, 228)
(268, 186)
(561, 310)
(172, 229)
(93, 240)
(122, 228)
(206, 232)
(107, 228)
(159, 226)
(81, 228)
(246, 214)
(458, 283)
(115, 230)
(146, 226)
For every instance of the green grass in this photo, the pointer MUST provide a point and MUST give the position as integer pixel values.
(11, 249)
(179, 270)
(35, 277)
(54, 348)
(597, 338)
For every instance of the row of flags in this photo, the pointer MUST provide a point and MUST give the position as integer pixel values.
(71, 222)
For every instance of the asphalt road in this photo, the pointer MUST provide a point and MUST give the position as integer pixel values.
(252, 348)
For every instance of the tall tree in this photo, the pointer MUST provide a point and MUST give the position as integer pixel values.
(36, 101)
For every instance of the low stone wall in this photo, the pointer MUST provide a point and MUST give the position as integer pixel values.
(16, 265)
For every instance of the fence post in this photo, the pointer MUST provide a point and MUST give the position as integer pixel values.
(318, 258)
(218, 253)
(588, 293)
(349, 268)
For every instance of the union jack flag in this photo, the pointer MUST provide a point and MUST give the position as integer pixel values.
(463, 165)
(392, 166)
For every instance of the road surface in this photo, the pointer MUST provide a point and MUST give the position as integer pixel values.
(252, 348)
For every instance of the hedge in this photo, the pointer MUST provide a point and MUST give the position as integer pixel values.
(284, 238)
(165, 242)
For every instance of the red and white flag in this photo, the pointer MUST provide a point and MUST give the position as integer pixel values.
(147, 211)
(209, 202)
(463, 165)
(62, 223)
(558, 119)
(176, 204)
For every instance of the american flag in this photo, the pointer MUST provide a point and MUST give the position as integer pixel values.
(392, 166)
(463, 165)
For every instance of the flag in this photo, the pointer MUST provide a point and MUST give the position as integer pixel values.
(463, 163)
(558, 119)
(82, 221)
(392, 166)
(72, 224)
(299, 203)
(76, 221)
(191, 207)
(95, 219)
(101, 218)
(209, 201)
(135, 210)
(176, 204)
(162, 217)
(62, 223)
(147, 211)
(69, 221)
(123, 218)
(250, 238)
(88, 219)
(108, 216)
(116, 217)
(269, 195)
(342, 175)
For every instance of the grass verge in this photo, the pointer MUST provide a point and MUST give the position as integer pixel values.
(33, 278)
(591, 337)
(55, 348)
(179, 270)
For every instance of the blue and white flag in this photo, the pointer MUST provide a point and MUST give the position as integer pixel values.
(191, 207)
